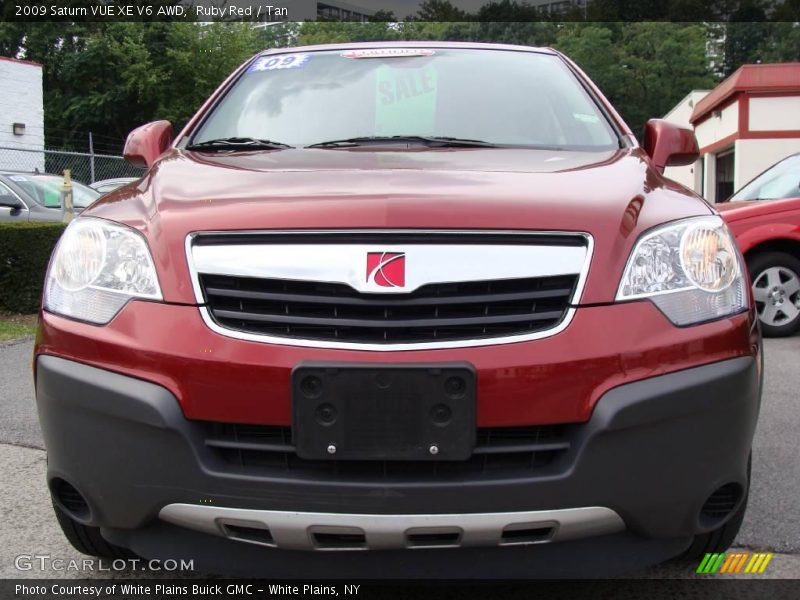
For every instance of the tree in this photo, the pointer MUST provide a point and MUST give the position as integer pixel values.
(508, 11)
(743, 44)
(439, 10)
(662, 62)
(110, 84)
(334, 32)
(198, 58)
(643, 68)
(783, 44)
(110, 77)
(593, 47)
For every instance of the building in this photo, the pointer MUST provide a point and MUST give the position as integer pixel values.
(690, 176)
(743, 126)
(558, 6)
(333, 9)
(21, 115)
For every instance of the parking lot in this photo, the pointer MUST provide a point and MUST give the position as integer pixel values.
(772, 523)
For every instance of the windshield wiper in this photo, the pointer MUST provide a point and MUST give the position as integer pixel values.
(431, 141)
(238, 143)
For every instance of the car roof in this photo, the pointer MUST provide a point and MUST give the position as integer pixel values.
(443, 45)
(40, 174)
(110, 179)
(30, 173)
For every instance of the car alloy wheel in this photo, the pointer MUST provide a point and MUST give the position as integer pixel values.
(777, 294)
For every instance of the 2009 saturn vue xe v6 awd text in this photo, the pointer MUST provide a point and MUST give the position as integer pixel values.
(420, 308)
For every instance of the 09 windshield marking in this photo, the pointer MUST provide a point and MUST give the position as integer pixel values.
(494, 98)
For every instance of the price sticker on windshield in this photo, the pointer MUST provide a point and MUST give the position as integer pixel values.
(405, 100)
(282, 61)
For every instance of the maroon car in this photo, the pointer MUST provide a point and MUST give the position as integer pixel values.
(401, 309)
(765, 218)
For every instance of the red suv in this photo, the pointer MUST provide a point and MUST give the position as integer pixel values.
(764, 217)
(394, 309)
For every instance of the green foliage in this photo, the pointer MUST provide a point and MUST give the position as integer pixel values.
(25, 250)
(750, 42)
(10, 330)
(439, 10)
(194, 65)
(643, 68)
(337, 32)
(110, 77)
(782, 42)
(111, 81)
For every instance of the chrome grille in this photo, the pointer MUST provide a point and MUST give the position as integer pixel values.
(461, 289)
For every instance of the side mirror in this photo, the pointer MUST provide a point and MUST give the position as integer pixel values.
(146, 143)
(10, 201)
(669, 145)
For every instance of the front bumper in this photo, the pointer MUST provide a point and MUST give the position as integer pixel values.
(554, 380)
(652, 453)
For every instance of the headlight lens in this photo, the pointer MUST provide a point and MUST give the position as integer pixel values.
(96, 268)
(708, 257)
(691, 270)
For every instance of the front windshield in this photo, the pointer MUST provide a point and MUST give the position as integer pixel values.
(501, 97)
(778, 182)
(46, 190)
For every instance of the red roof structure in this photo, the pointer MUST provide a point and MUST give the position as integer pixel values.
(777, 77)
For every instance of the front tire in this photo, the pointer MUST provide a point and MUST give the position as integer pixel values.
(88, 540)
(776, 289)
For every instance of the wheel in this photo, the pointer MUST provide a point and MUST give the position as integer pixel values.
(88, 540)
(776, 289)
(720, 539)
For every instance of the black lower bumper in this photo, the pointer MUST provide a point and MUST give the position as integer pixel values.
(653, 452)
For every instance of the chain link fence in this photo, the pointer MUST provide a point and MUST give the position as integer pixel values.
(86, 167)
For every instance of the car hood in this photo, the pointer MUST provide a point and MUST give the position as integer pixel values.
(613, 196)
(734, 211)
(751, 209)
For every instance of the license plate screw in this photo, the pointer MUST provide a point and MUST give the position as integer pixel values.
(434, 449)
(332, 449)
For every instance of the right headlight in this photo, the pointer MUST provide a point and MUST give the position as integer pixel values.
(691, 269)
(96, 268)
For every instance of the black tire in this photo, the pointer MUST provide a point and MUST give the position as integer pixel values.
(720, 539)
(757, 265)
(88, 540)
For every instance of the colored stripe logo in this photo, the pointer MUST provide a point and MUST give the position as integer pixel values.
(735, 562)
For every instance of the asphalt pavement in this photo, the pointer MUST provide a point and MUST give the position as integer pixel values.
(772, 524)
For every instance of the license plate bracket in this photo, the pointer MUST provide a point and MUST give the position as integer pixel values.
(346, 411)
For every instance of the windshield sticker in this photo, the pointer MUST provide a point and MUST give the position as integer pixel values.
(17, 178)
(405, 102)
(274, 63)
(52, 199)
(387, 53)
(586, 118)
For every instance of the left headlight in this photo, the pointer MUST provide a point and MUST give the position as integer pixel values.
(96, 268)
(691, 269)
